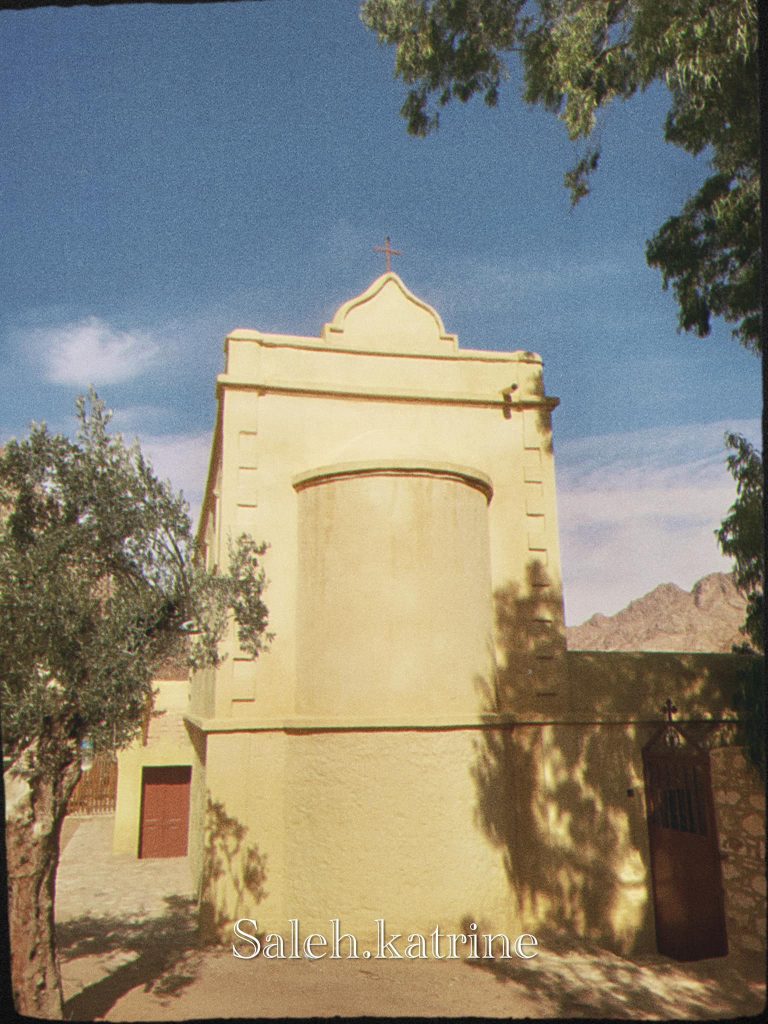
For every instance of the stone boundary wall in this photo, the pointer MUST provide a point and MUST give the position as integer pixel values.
(740, 809)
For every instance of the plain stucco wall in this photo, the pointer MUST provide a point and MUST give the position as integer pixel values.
(332, 785)
(242, 865)
(394, 610)
(525, 828)
(357, 825)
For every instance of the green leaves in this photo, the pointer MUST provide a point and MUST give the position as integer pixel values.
(246, 587)
(578, 57)
(213, 598)
(741, 535)
(576, 179)
(709, 254)
(447, 48)
(98, 573)
(750, 703)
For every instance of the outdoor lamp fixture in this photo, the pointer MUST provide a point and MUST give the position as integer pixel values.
(86, 754)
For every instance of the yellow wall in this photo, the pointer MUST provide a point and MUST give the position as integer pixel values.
(376, 633)
(168, 743)
(612, 686)
(417, 744)
(290, 407)
(526, 826)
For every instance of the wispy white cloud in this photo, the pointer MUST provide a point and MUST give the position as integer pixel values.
(639, 509)
(492, 282)
(91, 351)
(135, 418)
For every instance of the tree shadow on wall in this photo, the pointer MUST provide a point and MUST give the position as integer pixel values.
(159, 954)
(560, 792)
(544, 412)
(234, 872)
(553, 795)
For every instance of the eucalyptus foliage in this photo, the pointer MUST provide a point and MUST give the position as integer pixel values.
(742, 537)
(98, 578)
(742, 533)
(578, 56)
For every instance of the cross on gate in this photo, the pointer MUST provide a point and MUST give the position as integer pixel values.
(669, 709)
(388, 251)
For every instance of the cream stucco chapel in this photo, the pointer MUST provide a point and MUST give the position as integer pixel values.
(417, 744)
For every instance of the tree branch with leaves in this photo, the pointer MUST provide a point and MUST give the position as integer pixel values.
(99, 578)
(578, 57)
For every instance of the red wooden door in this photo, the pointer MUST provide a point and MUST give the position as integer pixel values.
(685, 857)
(165, 811)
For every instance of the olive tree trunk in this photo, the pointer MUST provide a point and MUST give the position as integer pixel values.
(35, 810)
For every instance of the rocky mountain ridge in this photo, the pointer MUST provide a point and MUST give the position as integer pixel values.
(706, 618)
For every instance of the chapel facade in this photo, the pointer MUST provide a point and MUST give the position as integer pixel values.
(417, 745)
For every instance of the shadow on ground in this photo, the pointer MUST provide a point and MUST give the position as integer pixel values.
(585, 981)
(161, 954)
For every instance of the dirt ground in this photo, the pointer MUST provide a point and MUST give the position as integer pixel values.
(127, 940)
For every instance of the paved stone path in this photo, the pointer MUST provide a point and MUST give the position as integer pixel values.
(120, 921)
(92, 878)
(127, 941)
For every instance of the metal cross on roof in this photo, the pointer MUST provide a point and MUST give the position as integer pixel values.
(669, 709)
(388, 251)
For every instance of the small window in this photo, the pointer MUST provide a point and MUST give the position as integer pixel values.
(677, 800)
(677, 810)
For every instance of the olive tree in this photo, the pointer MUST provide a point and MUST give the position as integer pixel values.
(99, 576)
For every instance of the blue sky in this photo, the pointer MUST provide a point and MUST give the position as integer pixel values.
(172, 172)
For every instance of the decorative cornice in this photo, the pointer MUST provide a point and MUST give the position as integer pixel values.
(445, 723)
(396, 467)
(493, 400)
(315, 345)
(311, 723)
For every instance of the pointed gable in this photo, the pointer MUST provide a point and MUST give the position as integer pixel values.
(389, 318)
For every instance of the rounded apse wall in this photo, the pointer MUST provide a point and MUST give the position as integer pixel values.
(394, 597)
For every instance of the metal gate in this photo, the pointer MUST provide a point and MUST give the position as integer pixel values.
(685, 857)
(96, 791)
